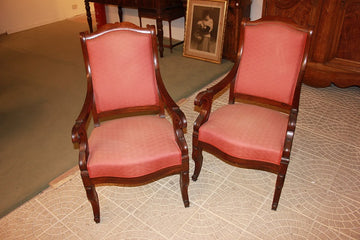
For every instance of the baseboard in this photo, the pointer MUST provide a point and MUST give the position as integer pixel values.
(60, 180)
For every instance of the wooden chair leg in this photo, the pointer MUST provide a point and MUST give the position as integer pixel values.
(94, 200)
(91, 194)
(198, 159)
(279, 185)
(184, 184)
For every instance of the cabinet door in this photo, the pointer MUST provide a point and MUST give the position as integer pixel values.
(345, 48)
(305, 13)
(334, 55)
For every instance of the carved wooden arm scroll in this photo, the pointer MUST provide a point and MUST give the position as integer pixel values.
(79, 131)
(205, 98)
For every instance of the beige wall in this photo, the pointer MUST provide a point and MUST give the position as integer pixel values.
(17, 15)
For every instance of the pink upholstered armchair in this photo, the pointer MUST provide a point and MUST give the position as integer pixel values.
(132, 142)
(256, 129)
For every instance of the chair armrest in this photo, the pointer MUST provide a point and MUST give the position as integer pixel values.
(179, 124)
(209, 93)
(78, 133)
(289, 135)
(181, 119)
(204, 99)
(177, 116)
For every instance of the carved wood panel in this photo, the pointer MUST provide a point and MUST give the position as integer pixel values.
(335, 48)
(237, 9)
(349, 40)
(303, 12)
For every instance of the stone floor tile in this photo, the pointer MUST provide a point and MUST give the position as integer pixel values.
(165, 212)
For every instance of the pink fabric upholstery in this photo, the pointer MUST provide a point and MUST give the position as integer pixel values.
(122, 64)
(132, 147)
(246, 131)
(271, 61)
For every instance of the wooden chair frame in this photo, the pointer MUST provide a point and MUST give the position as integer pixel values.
(204, 101)
(79, 130)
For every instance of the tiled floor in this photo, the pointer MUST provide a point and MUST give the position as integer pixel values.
(320, 199)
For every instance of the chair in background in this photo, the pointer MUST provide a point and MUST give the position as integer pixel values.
(134, 143)
(256, 129)
(169, 14)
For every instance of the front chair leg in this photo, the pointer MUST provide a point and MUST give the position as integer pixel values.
(198, 159)
(184, 184)
(94, 200)
(279, 185)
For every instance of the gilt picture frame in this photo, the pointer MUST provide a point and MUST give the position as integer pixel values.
(204, 29)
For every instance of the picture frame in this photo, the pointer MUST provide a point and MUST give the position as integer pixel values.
(204, 29)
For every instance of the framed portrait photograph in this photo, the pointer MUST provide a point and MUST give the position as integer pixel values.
(204, 29)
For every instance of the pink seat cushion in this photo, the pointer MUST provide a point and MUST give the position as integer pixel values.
(132, 147)
(246, 131)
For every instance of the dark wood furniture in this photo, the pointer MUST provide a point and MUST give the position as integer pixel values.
(237, 10)
(168, 15)
(335, 52)
(134, 143)
(252, 131)
(159, 8)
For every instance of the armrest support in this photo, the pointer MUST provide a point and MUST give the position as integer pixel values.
(177, 116)
(209, 93)
(205, 98)
(79, 129)
(289, 135)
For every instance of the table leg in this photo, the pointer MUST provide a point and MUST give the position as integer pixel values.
(120, 13)
(88, 14)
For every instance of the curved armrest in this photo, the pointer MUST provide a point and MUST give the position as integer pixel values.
(78, 133)
(181, 121)
(289, 135)
(204, 99)
(177, 116)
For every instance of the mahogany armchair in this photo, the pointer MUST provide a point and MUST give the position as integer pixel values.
(256, 128)
(132, 142)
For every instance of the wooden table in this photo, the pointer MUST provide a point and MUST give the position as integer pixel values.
(157, 5)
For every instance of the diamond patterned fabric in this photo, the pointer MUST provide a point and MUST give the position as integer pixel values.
(132, 147)
(122, 70)
(246, 131)
(271, 61)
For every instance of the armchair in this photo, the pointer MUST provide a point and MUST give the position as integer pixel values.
(132, 142)
(256, 129)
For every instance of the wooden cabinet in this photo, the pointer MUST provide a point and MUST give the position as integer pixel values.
(335, 50)
(237, 10)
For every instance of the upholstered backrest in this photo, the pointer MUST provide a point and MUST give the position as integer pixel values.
(271, 61)
(122, 68)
